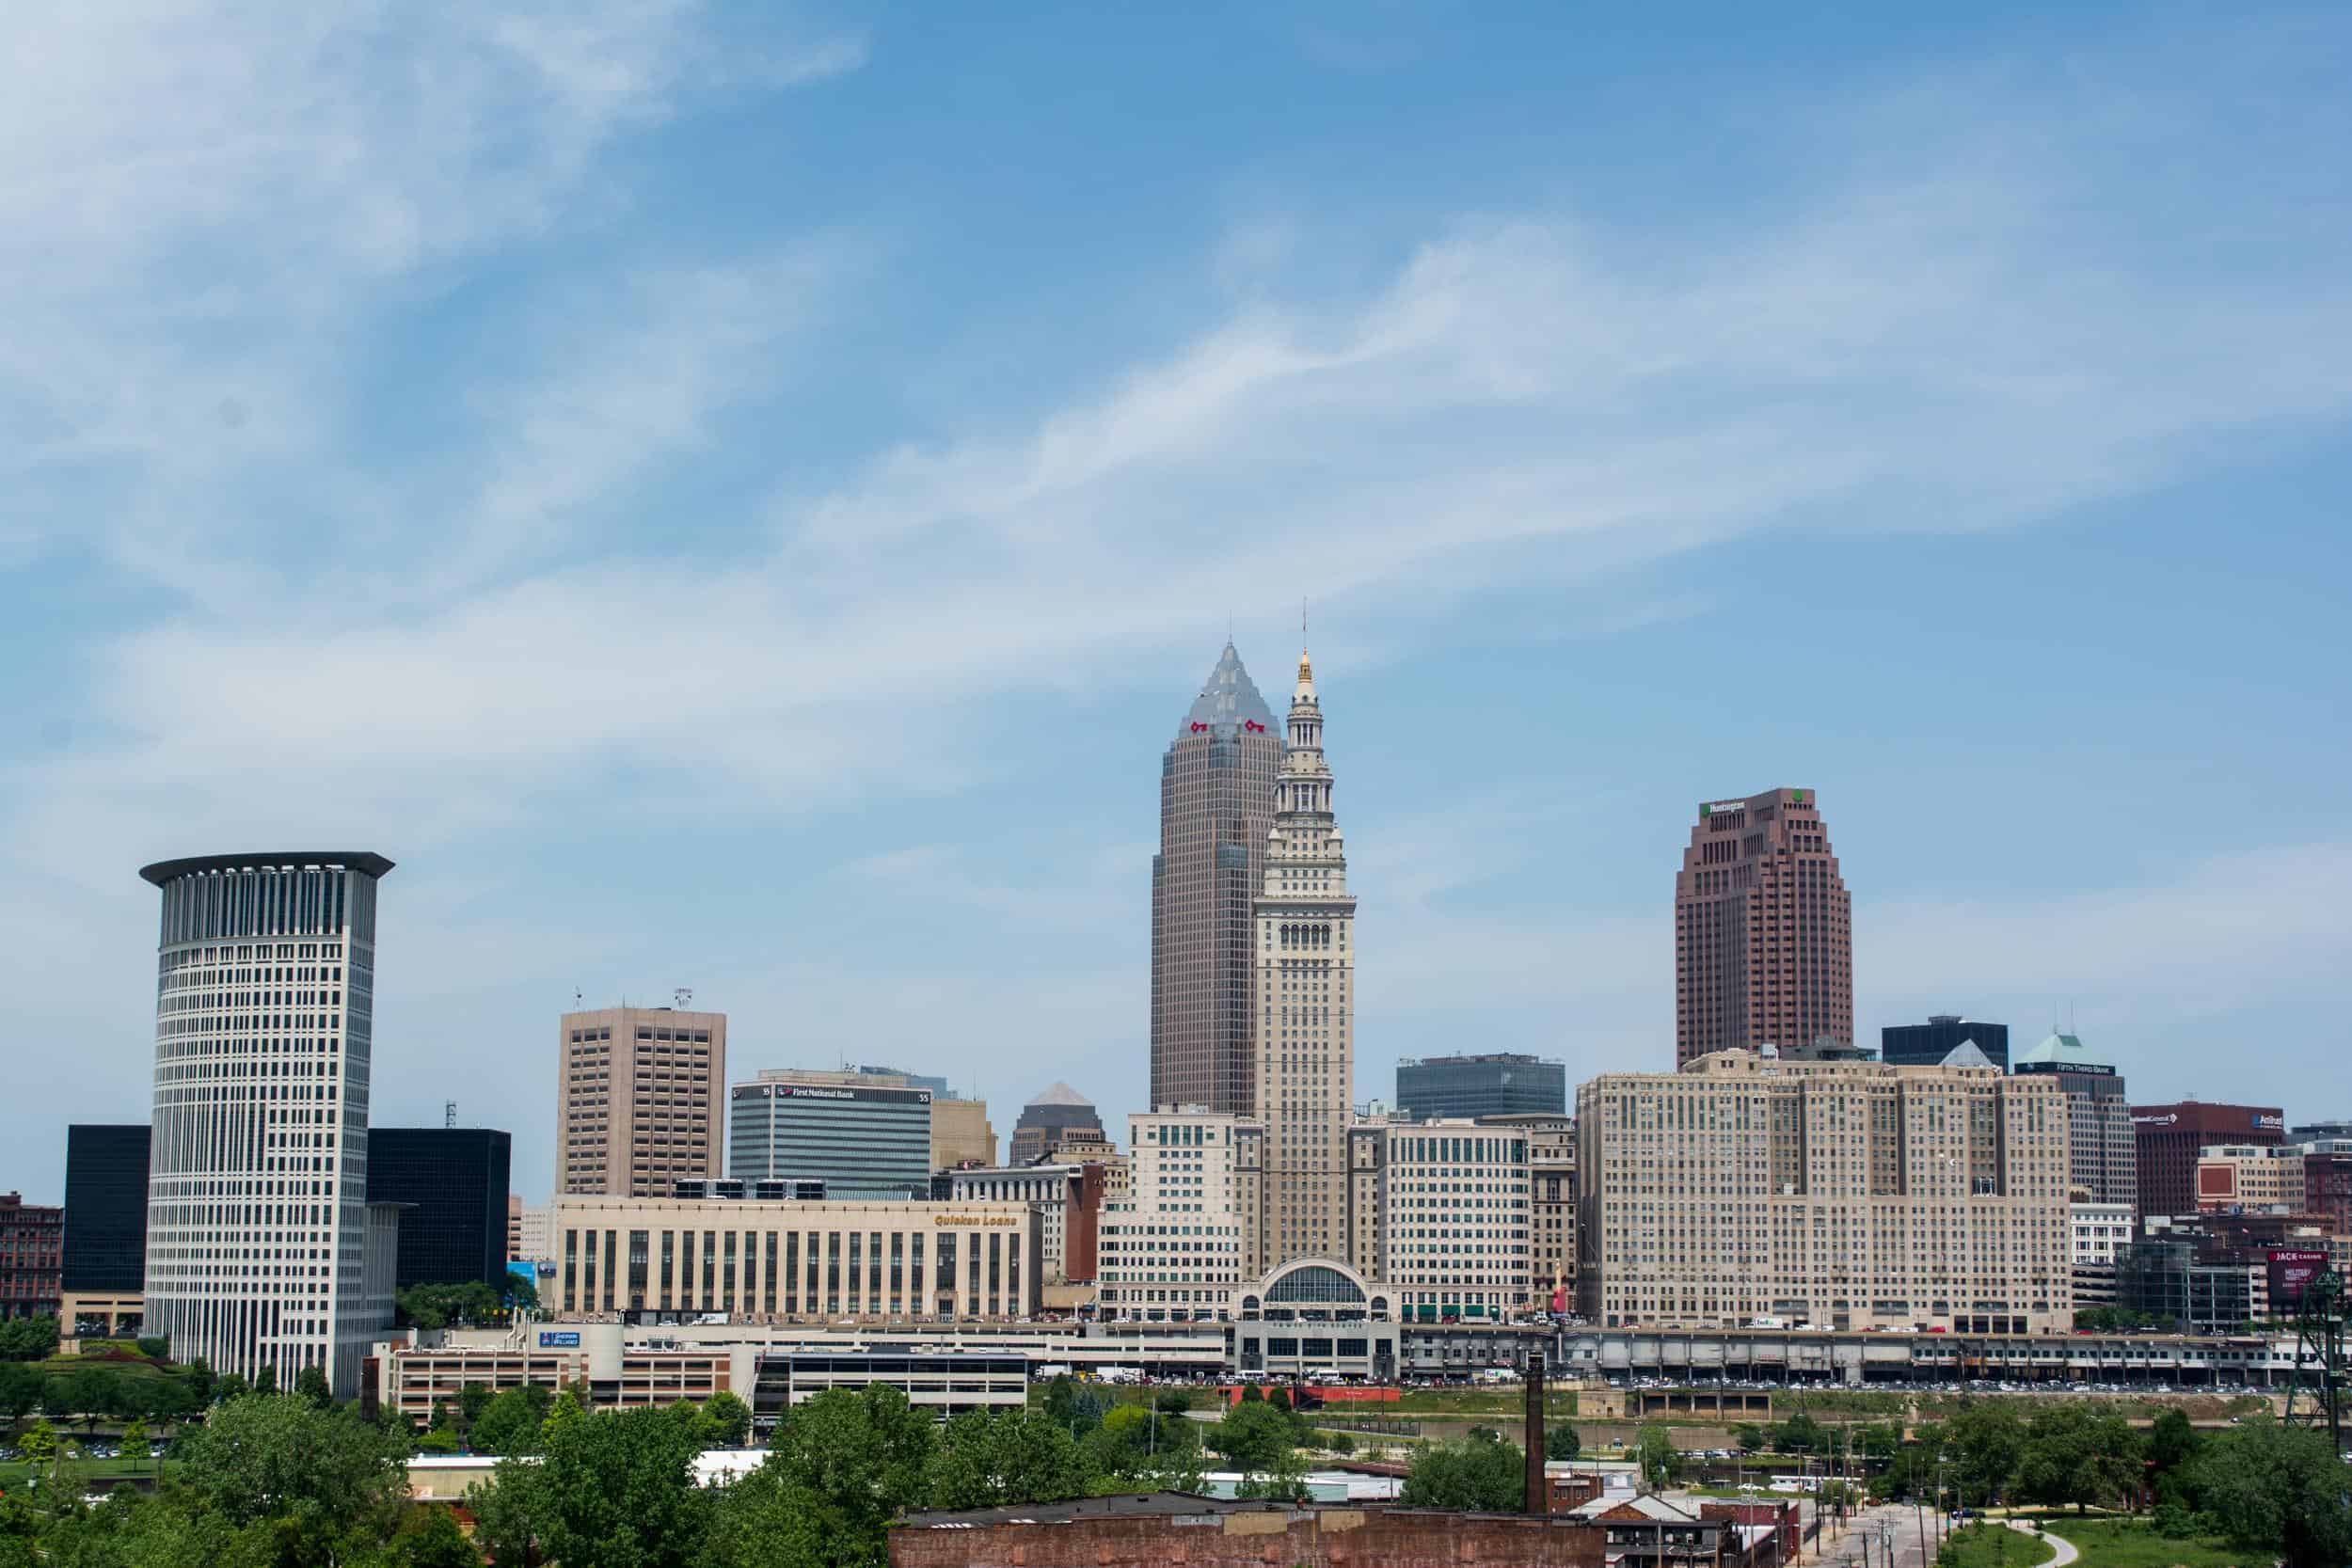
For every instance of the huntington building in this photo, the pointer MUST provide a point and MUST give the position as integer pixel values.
(1835, 1195)
(760, 1262)
(1217, 804)
(258, 1226)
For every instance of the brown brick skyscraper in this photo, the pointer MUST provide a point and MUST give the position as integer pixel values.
(1763, 929)
(1217, 804)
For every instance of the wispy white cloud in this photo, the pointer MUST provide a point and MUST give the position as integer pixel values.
(211, 221)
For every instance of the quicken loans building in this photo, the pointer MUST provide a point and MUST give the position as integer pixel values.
(1746, 1191)
(256, 1227)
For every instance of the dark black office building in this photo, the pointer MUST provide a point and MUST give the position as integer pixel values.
(105, 1207)
(1927, 1044)
(455, 1179)
(1500, 1084)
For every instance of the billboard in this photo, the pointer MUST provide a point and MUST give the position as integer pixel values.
(559, 1338)
(2291, 1269)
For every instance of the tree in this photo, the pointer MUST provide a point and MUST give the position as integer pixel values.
(1660, 1460)
(1472, 1474)
(2071, 1456)
(510, 1423)
(619, 1492)
(266, 1381)
(564, 1412)
(727, 1421)
(2173, 1442)
(230, 1385)
(522, 1291)
(1172, 1401)
(1142, 1449)
(1799, 1433)
(433, 1539)
(2276, 1488)
(1285, 1480)
(1985, 1441)
(86, 1392)
(28, 1338)
(510, 1512)
(465, 1301)
(134, 1436)
(313, 1481)
(311, 1383)
(154, 1347)
(1074, 1407)
(38, 1444)
(1253, 1435)
(987, 1458)
(198, 1381)
(21, 1388)
(1251, 1394)
(846, 1462)
(1747, 1437)
(763, 1521)
(472, 1400)
(1562, 1442)
(1279, 1397)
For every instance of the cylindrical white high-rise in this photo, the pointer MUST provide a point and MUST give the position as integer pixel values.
(256, 1181)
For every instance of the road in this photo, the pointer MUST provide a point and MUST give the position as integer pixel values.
(1889, 1534)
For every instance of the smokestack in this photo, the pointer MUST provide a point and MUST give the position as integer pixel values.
(1538, 1500)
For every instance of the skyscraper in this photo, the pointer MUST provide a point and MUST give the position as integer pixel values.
(1217, 803)
(2169, 1138)
(1763, 929)
(1306, 1004)
(257, 1219)
(1927, 1044)
(640, 1100)
(1051, 1119)
(2102, 1148)
(864, 1136)
(106, 1208)
(451, 1183)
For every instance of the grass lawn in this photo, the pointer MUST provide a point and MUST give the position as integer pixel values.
(1502, 1401)
(1997, 1546)
(2125, 1544)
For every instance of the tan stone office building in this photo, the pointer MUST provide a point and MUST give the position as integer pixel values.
(1306, 1001)
(1551, 1198)
(640, 1100)
(1839, 1195)
(760, 1261)
(1176, 1244)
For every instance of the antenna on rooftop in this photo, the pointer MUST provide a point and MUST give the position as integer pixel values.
(683, 996)
(449, 1112)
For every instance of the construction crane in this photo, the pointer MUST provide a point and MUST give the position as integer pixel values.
(2315, 1391)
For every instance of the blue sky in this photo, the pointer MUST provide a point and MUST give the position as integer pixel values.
(740, 499)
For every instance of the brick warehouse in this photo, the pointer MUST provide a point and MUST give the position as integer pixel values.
(1164, 1529)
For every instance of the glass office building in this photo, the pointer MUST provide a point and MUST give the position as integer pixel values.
(454, 1183)
(1498, 1084)
(860, 1142)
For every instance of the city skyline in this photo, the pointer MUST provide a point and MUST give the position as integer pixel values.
(766, 636)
